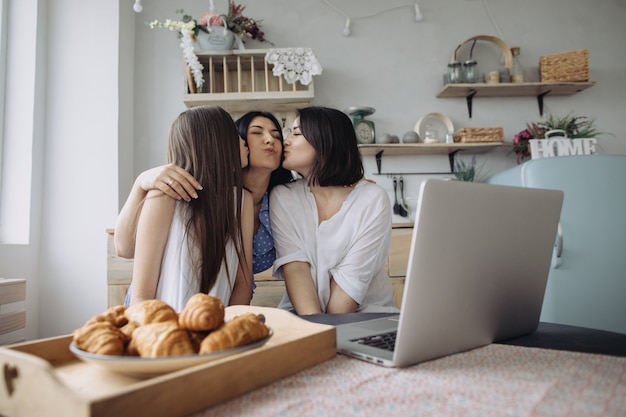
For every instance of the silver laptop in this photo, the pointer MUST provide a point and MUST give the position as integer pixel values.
(477, 271)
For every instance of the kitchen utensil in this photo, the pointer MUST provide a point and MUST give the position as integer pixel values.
(396, 205)
(405, 211)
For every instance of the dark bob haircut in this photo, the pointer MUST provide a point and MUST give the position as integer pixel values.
(331, 133)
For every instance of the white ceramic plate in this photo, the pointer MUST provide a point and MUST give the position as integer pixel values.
(439, 122)
(148, 367)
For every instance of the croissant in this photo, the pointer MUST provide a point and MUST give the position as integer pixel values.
(202, 312)
(196, 339)
(150, 311)
(114, 315)
(162, 339)
(128, 329)
(100, 337)
(241, 330)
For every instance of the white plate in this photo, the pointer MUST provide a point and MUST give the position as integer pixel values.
(439, 122)
(137, 367)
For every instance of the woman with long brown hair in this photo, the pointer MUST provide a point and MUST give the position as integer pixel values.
(263, 134)
(205, 245)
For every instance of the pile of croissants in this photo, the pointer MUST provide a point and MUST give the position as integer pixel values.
(152, 328)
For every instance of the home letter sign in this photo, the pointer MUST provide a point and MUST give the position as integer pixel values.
(561, 146)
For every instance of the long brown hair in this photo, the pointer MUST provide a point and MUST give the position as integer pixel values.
(204, 141)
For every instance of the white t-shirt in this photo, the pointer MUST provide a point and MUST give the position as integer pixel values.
(351, 246)
(179, 280)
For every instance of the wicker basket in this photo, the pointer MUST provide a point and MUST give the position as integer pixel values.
(479, 134)
(569, 66)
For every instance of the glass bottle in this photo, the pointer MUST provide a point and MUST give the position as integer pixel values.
(455, 72)
(517, 71)
(505, 74)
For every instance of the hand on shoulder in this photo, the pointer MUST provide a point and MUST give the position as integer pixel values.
(171, 180)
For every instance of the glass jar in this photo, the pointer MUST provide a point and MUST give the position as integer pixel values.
(430, 134)
(470, 71)
(455, 72)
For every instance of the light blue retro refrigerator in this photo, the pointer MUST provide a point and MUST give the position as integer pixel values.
(587, 282)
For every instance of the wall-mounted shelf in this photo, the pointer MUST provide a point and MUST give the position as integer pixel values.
(538, 89)
(427, 149)
(241, 80)
(449, 149)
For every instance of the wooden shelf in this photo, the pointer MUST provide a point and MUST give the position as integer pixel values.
(539, 90)
(241, 80)
(510, 89)
(427, 149)
(241, 102)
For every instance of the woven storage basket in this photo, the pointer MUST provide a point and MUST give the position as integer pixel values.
(479, 134)
(566, 66)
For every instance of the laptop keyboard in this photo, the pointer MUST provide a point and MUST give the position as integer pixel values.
(385, 341)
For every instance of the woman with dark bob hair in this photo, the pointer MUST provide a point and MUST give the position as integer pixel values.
(332, 227)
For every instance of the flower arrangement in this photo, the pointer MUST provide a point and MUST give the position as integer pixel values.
(236, 22)
(574, 127)
(188, 29)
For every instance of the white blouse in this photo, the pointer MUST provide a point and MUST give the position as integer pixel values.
(351, 247)
(179, 280)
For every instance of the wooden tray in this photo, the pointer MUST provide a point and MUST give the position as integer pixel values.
(43, 378)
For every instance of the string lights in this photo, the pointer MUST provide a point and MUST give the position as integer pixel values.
(347, 27)
(138, 8)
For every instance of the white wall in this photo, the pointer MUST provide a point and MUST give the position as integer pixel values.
(97, 113)
(395, 65)
(74, 123)
(80, 163)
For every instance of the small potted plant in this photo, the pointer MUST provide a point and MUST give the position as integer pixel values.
(464, 171)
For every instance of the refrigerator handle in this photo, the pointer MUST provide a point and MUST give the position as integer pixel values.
(558, 247)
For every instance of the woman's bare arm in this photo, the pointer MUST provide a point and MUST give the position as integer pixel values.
(300, 288)
(152, 232)
(340, 302)
(170, 179)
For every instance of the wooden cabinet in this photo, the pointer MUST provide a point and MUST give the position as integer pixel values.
(398, 259)
(269, 290)
(119, 273)
(12, 313)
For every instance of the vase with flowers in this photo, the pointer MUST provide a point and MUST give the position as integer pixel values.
(213, 31)
(573, 126)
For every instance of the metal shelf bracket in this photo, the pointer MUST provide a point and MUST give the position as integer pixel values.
(540, 101)
(469, 100)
